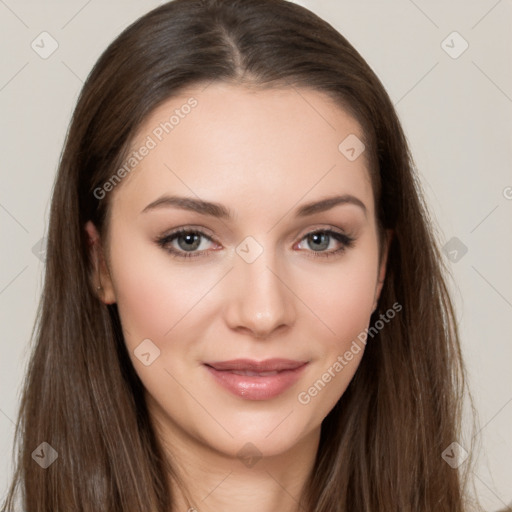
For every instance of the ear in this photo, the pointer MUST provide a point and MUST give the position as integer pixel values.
(101, 281)
(386, 242)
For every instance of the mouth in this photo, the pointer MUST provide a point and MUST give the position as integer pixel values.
(256, 380)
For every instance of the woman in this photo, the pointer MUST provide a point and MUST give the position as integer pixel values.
(244, 303)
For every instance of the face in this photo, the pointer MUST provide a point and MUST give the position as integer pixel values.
(240, 317)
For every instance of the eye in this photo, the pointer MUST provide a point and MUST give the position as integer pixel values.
(320, 240)
(187, 243)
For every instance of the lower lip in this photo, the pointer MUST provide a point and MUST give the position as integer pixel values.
(257, 388)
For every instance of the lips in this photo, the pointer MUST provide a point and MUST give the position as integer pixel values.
(256, 380)
(247, 365)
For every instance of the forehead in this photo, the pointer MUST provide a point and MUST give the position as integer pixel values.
(247, 148)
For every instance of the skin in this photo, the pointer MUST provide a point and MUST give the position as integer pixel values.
(262, 154)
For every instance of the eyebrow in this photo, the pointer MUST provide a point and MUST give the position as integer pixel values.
(220, 211)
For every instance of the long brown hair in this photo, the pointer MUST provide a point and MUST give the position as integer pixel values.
(381, 445)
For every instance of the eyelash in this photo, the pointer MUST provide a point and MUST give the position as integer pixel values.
(164, 241)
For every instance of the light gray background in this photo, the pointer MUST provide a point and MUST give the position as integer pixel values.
(456, 113)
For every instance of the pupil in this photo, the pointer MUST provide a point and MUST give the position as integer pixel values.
(317, 238)
(191, 241)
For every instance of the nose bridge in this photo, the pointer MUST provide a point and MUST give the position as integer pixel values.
(260, 301)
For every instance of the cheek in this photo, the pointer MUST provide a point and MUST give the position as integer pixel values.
(151, 296)
(341, 296)
(344, 303)
(143, 301)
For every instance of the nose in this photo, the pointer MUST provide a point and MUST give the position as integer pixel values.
(260, 301)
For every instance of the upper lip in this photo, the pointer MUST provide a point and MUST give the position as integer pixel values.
(268, 365)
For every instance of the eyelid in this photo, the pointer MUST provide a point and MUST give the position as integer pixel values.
(174, 233)
(320, 227)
